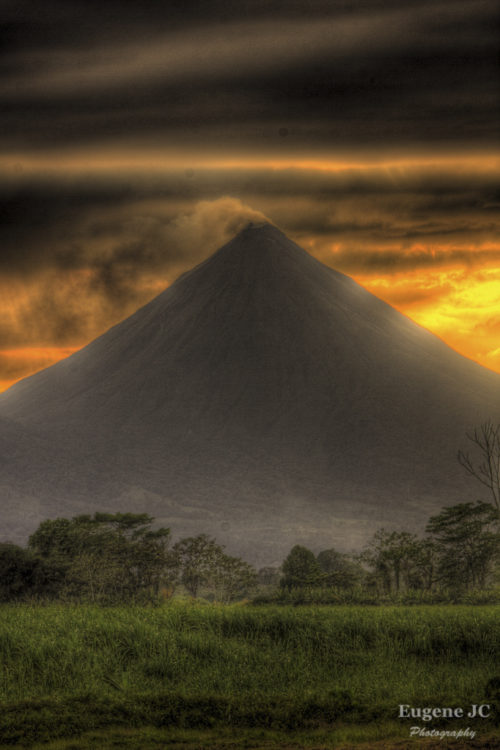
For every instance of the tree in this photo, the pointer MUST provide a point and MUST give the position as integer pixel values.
(486, 466)
(197, 558)
(20, 572)
(58, 542)
(467, 541)
(204, 564)
(339, 570)
(232, 578)
(59, 538)
(422, 572)
(105, 557)
(394, 557)
(301, 569)
(96, 578)
(143, 553)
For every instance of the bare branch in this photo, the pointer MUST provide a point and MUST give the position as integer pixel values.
(486, 468)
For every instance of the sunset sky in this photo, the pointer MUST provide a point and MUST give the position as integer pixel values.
(137, 137)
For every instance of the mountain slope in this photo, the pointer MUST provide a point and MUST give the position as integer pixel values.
(264, 398)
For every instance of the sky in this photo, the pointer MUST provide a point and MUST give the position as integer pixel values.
(136, 138)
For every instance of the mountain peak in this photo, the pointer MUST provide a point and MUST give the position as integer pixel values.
(259, 231)
(261, 240)
(256, 225)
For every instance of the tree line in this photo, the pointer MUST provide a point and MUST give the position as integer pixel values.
(114, 558)
(121, 557)
(459, 554)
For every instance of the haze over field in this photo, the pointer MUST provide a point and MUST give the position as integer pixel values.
(262, 398)
(138, 137)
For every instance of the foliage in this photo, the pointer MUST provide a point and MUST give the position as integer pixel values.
(203, 563)
(20, 572)
(105, 557)
(197, 558)
(399, 560)
(301, 569)
(468, 542)
(232, 578)
(110, 558)
(340, 571)
(459, 554)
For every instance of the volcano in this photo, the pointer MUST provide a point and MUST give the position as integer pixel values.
(263, 398)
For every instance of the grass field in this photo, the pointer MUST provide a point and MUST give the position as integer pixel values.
(320, 676)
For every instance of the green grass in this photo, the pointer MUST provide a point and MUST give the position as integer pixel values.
(71, 669)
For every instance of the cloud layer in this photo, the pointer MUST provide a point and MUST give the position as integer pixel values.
(255, 76)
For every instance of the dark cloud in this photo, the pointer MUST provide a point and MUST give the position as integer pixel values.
(28, 23)
(131, 224)
(386, 261)
(233, 75)
(76, 277)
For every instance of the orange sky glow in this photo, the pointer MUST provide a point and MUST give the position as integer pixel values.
(141, 159)
(448, 283)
